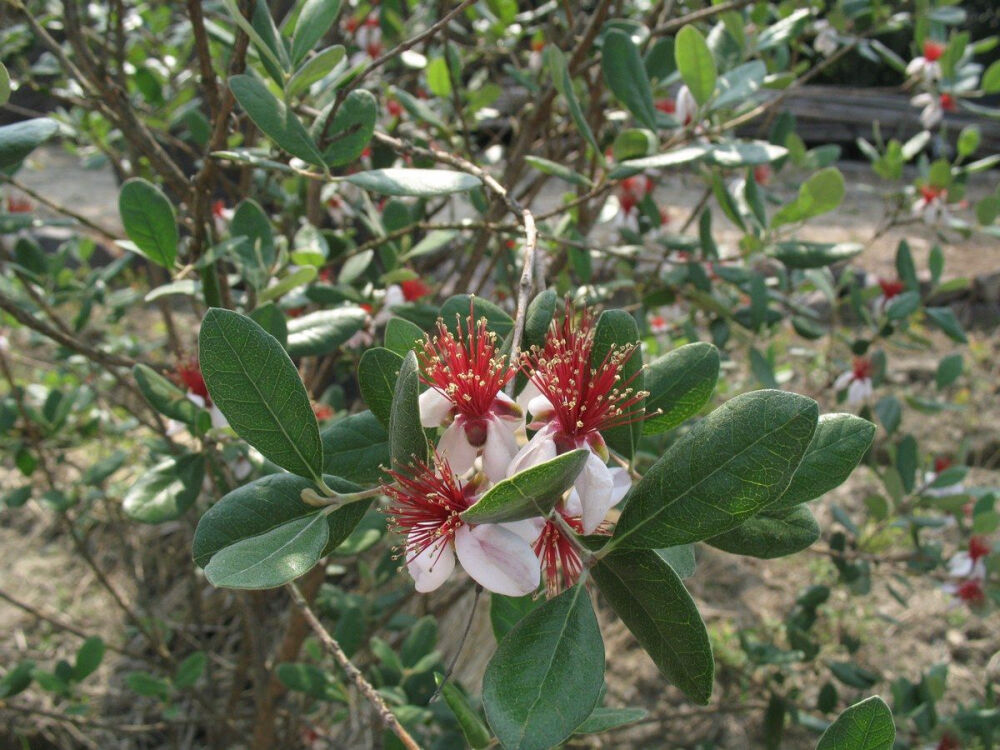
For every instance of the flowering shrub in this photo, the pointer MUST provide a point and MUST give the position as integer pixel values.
(403, 307)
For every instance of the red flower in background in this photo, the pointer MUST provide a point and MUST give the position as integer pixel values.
(971, 592)
(762, 174)
(932, 50)
(891, 287)
(189, 375)
(414, 289)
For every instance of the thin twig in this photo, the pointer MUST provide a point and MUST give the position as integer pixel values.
(366, 688)
(105, 233)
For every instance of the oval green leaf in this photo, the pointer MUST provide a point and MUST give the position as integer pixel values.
(529, 493)
(546, 675)
(734, 463)
(149, 221)
(356, 448)
(252, 380)
(351, 129)
(323, 331)
(166, 491)
(418, 182)
(21, 138)
(617, 329)
(274, 118)
(680, 383)
(406, 435)
(771, 534)
(377, 373)
(650, 599)
(625, 75)
(866, 725)
(695, 63)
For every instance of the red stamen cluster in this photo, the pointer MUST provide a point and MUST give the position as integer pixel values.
(189, 375)
(948, 102)
(558, 555)
(322, 411)
(971, 592)
(978, 548)
(762, 174)
(891, 287)
(933, 51)
(468, 372)
(668, 106)
(426, 504)
(632, 190)
(929, 193)
(948, 742)
(941, 463)
(862, 368)
(586, 399)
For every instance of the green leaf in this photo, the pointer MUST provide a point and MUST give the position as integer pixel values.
(17, 680)
(401, 335)
(88, 658)
(555, 169)
(314, 69)
(271, 319)
(323, 331)
(680, 383)
(148, 686)
(351, 129)
(903, 306)
(837, 447)
(257, 256)
(355, 448)
(948, 370)
(529, 493)
(991, 78)
(819, 194)
(292, 279)
(455, 311)
(944, 318)
(680, 558)
(734, 463)
(252, 380)
(626, 76)
(273, 558)
(617, 329)
(167, 490)
(164, 396)
(476, 733)
(771, 533)
(189, 670)
(546, 675)
(418, 182)
(804, 254)
(315, 19)
(538, 318)
(4, 85)
(508, 611)
(674, 158)
(745, 153)
(603, 719)
(274, 118)
(555, 61)
(264, 505)
(21, 138)
(866, 725)
(434, 242)
(149, 221)
(406, 436)
(438, 78)
(309, 679)
(650, 599)
(377, 372)
(695, 63)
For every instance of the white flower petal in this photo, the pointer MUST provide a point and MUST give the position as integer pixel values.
(621, 483)
(500, 448)
(540, 408)
(433, 566)
(595, 484)
(498, 559)
(455, 447)
(435, 408)
(528, 529)
(195, 399)
(218, 418)
(960, 565)
(529, 392)
(843, 381)
(541, 448)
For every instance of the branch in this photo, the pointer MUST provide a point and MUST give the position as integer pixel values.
(366, 688)
(105, 233)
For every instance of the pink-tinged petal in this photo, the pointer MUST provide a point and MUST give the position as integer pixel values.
(595, 485)
(843, 380)
(540, 408)
(504, 407)
(529, 392)
(435, 408)
(573, 506)
(541, 448)
(454, 446)
(498, 559)
(433, 566)
(528, 529)
(218, 418)
(621, 483)
(195, 399)
(500, 449)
